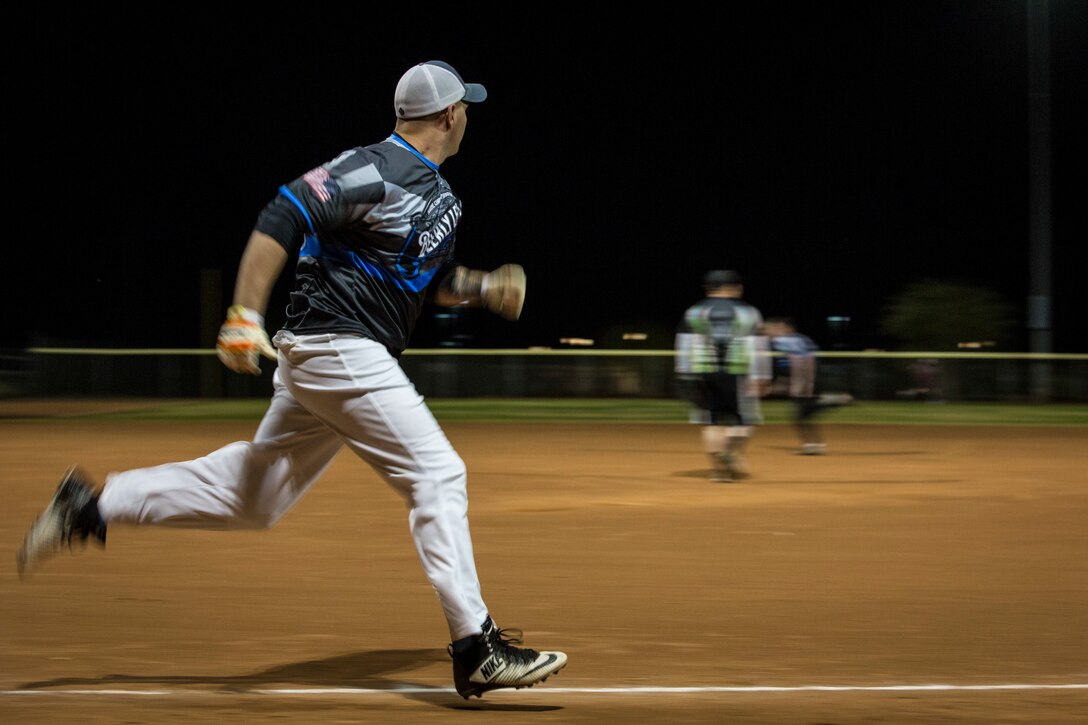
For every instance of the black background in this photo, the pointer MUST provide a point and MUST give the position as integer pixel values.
(831, 152)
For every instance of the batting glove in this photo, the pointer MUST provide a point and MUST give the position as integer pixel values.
(242, 339)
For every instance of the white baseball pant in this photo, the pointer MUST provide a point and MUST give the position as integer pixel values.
(329, 390)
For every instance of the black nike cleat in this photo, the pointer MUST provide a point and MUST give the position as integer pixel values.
(71, 514)
(492, 662)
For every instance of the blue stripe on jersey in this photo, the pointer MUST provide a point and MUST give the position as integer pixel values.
(312, 247)
(394, 138)
(294, 200)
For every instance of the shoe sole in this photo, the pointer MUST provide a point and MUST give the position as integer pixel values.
(479, 691)
(44, 538)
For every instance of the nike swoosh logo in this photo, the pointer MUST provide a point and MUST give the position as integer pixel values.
(551, 659)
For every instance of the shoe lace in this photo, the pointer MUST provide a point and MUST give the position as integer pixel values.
(503, 641)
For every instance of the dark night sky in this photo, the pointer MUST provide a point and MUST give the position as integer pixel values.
(832, 152)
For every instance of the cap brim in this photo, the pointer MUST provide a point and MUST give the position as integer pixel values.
(474, 93)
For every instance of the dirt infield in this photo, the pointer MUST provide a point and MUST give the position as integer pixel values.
(909, 557)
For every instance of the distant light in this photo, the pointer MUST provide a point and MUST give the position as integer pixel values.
(838, 318)
(576, 341)
(634, 336)
(975, 345)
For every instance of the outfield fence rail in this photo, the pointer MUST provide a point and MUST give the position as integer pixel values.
(527, 373)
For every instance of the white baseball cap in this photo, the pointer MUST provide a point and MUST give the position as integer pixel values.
(429, 87)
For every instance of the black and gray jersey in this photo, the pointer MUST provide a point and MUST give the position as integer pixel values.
(373, 228)
(718, 335)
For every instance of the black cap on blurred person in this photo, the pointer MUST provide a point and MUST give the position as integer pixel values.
(720, 278)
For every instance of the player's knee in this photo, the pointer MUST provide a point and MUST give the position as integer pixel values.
(445, 467)
(457, 469)
(441, 489)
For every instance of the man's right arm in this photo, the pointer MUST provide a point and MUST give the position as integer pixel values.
(242, 337)
(262, 262)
